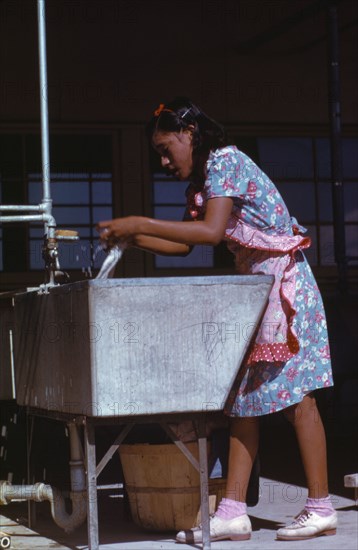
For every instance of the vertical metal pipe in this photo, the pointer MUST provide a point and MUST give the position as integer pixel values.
(41, 20)
(204, 483)
(336, 147)
(92, 509)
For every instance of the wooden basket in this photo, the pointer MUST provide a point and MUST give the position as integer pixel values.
(163, 487)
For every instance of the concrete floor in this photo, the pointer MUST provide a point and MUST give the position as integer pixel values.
(281, 480)
(278, 503)
(282, 496)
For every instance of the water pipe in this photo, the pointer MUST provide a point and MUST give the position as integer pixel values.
(44, 209)
(40, 492)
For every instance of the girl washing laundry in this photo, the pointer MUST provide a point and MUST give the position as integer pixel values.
(230, 198)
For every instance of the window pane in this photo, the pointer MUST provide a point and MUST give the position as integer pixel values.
(35, 255)
(64, 192)
(169, 191)
(286, 158)
(350, 194)
(72, 189)
(323, 158)
(102, 192)
(102, 176)
(76, 255)
(325, 201)
(351, 201)
(200, 256)
(169, 212)
(71, 215)
(102, 213)
(352, 243)
(36, 232)
(350, 157)
(327, 245)
(300, 200)
(35, 192)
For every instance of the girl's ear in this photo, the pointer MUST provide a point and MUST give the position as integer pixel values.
(190, 130)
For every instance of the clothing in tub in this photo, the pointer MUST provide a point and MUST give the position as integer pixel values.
(290, 356)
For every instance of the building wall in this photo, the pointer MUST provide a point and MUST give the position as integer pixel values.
(259, 67)
(247, 61)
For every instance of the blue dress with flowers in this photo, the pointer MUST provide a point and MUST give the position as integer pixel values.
(290, 356)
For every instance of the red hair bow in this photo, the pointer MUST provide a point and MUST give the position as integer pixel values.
(159, 110)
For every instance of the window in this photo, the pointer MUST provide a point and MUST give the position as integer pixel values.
(300, 168)
(81, 191)
(80, 200)
(169, 203)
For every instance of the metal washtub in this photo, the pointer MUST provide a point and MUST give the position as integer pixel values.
(124, 347)
(142, 350)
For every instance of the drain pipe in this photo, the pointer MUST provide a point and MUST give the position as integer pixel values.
(40, 492)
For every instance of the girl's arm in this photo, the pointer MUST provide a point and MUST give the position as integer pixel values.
(209, 231)
(160, 246)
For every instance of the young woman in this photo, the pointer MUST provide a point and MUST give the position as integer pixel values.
(229, 198)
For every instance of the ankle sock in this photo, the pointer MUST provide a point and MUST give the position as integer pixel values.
(320, 506)
(229, 509)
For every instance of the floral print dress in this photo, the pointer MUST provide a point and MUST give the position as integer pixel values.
(290, 356)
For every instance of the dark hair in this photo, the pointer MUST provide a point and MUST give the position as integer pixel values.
(208, 134)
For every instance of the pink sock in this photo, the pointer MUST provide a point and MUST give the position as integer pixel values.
(229, 509)
(321, 506)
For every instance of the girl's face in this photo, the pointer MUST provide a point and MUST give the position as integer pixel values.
(176, 152)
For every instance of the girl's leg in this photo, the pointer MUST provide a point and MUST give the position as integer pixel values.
(244, 442)
(231, 520)
(311, 437)
(318, 517)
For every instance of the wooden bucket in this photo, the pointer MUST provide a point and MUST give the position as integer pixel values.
(163, 487)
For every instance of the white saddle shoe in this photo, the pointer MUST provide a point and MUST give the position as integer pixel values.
(308, 525)
(220, 529)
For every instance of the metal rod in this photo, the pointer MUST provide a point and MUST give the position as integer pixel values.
(41, 18)
(204, 484)
(21, 207)
(92, 509)
(180, 445)
(13, 383)
(24, 218)
(113, 448)
(336, 148)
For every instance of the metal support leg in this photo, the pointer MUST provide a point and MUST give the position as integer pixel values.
(204, 484)
(92, 509)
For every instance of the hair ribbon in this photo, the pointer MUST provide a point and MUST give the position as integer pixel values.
(162, 108)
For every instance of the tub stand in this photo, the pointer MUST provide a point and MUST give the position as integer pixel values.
(94, 470)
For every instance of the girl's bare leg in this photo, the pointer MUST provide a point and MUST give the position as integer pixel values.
(244, 442)
(311, 437)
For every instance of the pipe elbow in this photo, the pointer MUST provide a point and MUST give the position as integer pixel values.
(67, 522)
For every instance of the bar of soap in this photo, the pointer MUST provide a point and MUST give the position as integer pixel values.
(66, 233)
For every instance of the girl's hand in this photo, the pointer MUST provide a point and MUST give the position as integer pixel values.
(119, 230)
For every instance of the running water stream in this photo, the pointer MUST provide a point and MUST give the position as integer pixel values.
(113, 256)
